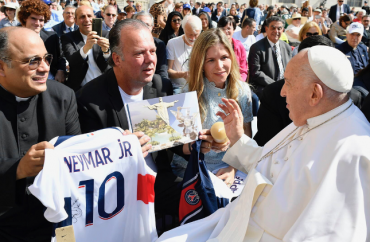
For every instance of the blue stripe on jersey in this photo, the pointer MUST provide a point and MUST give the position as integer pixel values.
(61, 139)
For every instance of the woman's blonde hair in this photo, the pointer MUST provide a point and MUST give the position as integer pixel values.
(306, 4)
(306, 27)
(196, 80)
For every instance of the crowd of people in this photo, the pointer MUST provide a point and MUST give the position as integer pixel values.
(245, 62)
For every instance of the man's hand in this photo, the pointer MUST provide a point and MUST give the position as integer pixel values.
(233, 120)
(227, 175)
(143, 139)
(103, 43)
(60, 77)
(31, 164)
(92, 39)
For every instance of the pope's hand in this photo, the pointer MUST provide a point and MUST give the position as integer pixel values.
(227, 175)
(233, 120)
(143, 139)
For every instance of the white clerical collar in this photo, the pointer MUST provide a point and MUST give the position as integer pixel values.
(312, 122)
(18, 99)
(273, 44)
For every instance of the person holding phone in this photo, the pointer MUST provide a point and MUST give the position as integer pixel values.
(320, 20)
(86, 52)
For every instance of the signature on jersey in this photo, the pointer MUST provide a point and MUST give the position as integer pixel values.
(76, 211)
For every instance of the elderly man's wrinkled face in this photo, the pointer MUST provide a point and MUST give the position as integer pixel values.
(190, 34)
(354, 39)
(296, 90)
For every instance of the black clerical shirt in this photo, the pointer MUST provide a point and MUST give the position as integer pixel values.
(23, 124)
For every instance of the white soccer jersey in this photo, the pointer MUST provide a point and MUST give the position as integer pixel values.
(100, 183)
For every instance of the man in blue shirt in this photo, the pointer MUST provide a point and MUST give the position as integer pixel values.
(354, 51)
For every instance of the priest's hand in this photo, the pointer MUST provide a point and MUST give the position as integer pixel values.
(233, 120)
(32, 163)
(227, 175)
(143, 139)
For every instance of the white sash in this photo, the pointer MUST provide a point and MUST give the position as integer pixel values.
(236, 227)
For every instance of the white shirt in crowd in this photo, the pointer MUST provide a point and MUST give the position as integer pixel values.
(93, 71)
(179, 52)
(247, 42)
(136, 98)
(339, 10)
(295, 30)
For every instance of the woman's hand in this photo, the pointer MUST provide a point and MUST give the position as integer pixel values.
(227, 175)
(205, 136)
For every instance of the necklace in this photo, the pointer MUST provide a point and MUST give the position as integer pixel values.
(282, 145)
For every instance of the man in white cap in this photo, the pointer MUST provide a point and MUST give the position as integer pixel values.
(311, 181)
(354, 51)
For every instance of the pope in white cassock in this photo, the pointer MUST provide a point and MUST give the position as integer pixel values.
(311, 182)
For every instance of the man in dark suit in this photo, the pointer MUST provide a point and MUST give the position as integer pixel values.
(68, 25)
(86, 52)
(338, 10)
(355, 51)
(35, 20)
(220, 10)
(268, 57)
(33, 110)
(273, 116)
(197, 9)
(101, 102)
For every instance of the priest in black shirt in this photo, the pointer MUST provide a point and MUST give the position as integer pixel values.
(33, 110)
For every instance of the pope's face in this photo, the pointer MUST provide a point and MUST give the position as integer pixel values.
(297, 94)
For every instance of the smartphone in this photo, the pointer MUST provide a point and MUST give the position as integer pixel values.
(97, 26)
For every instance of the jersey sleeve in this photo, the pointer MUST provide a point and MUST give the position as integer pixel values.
(47, 187)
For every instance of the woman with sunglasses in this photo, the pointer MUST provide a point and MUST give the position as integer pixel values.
(308, 30)
(173, 27)
(228, 26)
(339, 29)
(295, 23)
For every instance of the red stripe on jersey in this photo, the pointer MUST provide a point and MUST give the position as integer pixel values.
(184, 207)
(145, 188)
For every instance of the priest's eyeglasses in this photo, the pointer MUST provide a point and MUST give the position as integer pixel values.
(34, 62)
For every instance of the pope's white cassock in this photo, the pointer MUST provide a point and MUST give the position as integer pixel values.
(316, 188)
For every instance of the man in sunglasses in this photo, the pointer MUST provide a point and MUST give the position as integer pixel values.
(338, 10)
(355, 51)
(366, 24)
(110, 17)
(33, 110)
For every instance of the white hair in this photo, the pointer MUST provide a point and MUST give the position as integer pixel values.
(193, 21)
(363, 11)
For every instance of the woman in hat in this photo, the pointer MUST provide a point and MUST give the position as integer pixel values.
(186, 10)
(159, 14)
(214, 74)
(295, 23)
(9, 11)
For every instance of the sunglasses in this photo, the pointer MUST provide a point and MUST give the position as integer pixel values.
(296, 19)
(340, 1)
(110, 14)
(176, 20)
(311, 34)
(34, 62)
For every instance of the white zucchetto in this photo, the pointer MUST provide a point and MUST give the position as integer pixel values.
(332, 67)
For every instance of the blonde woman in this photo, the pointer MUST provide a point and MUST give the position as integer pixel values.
(214, 74)
(308, 30)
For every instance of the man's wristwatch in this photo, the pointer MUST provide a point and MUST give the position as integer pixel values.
(106, 52)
